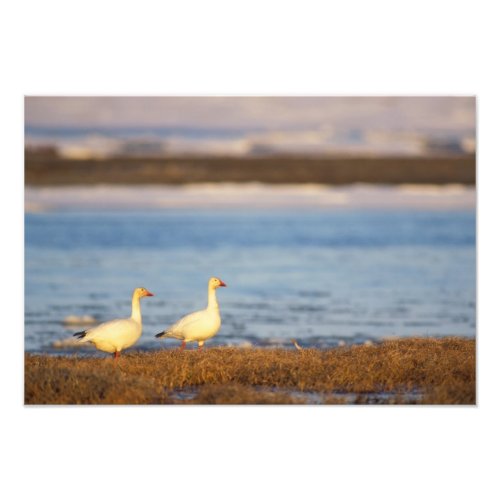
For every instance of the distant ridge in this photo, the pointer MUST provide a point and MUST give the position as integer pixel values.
(47, 169)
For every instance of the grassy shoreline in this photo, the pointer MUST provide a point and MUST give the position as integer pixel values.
(43, 170)
(416, 370)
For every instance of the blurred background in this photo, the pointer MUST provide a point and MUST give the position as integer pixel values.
(332, 219)
(102, 127)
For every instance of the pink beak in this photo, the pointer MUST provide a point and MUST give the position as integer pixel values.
(222, 283)
(148, 294)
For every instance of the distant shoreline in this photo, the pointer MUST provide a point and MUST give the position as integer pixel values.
(48, 170)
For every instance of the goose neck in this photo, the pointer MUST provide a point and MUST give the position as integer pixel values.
(212, 299)
(136, 309)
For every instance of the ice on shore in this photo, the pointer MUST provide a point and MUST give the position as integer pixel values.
(73, 319)
(249, 195)
(68, 342)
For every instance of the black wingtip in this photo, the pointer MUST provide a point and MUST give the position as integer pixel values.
(80, 335)
(159, 335)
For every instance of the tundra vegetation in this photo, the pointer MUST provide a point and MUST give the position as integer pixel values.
(404, 371)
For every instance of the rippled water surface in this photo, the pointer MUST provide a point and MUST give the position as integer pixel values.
(321, 277)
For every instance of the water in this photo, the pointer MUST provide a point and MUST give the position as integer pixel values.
(319, 276)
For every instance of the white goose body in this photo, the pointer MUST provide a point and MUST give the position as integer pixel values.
(116, 335)
(200, 325)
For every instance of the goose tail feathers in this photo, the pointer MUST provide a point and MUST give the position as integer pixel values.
(80, 335)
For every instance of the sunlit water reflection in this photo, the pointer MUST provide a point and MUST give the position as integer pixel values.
(320, 276)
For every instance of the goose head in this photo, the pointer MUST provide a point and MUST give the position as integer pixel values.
(142, 292)
(215, 283)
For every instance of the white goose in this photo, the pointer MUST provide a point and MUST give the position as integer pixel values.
(118, 334)
(198, 326)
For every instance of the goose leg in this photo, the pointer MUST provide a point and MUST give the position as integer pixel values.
(117, 355)
(183, 345)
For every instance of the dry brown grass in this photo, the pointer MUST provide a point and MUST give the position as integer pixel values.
(439, 371)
